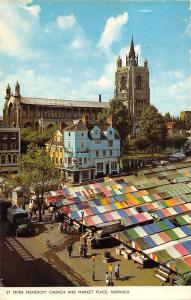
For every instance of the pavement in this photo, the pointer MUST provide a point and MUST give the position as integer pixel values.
(28, 262)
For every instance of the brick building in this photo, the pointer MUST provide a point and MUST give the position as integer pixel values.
(9, 149)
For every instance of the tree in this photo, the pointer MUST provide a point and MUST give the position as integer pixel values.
(29, 136)
(37, 175)
(120, 118)
(153, 127)
(167, 117)
(140, 143)
(176, 141)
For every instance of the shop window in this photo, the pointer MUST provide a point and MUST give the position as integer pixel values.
(100, 167)
(113, 166)
(85, 175)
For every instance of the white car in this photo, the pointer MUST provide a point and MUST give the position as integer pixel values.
(164, 162)
(178, 155)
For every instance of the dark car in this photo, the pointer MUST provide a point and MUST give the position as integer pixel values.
(173, 159)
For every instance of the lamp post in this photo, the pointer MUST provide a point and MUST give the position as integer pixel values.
(82, 212)
(93, 273)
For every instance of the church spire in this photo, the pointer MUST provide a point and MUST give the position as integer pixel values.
(132, 49)
(132, 60)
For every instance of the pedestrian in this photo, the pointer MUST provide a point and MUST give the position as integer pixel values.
(70, 249)
(60, 227)
(30, 213)
(81, 250)
(85, 250)
(65, 226)
(116, 271)
(107, 278)
(48, 244)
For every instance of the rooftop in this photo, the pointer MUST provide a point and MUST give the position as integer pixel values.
(67, 103)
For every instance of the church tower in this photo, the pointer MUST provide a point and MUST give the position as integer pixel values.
(132, 83)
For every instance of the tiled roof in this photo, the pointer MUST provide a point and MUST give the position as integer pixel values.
(78, 126)
(68, 103)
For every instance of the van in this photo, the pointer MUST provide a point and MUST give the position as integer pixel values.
(19, 221)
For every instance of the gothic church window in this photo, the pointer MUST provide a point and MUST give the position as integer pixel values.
(138, 82)
(123, 83)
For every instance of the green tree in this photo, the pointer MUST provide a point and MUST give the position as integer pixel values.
(153, 127)
(176, 142)
(140, 143)
(167, 117)
(37, 175)
(29, 136)
(120, 118)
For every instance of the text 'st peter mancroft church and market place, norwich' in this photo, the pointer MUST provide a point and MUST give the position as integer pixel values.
(110, 212)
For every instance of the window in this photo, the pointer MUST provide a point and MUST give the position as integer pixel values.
(100, 167)
(4, 146)
(80, 161)
(9, 159)
(110, 143)
(65, 160)
(85, 160)
(68, 144)
(3, 159)
(113, 166)
(68, 133)
(138, 82)
(97, 153)
(57, 160)
(104, 152)
(85, 175)
(4, 136)
(123, 83)
(69, 160)
(110, 132)
(56, 149)
(110, 152)
(82, 144)
(82, 134)
(61, 161)
(15, 159)
(60, 149)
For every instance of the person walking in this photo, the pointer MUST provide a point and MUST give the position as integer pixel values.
(107, 279)
(116, 271)
(81, 250)
(48, 244)
(60, 227)
(70, 249)
(85, 250)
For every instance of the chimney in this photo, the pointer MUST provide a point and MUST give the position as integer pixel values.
(110, 120)
(99, 97)
(85, 120)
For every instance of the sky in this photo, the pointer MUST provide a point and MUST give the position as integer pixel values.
(68, 49)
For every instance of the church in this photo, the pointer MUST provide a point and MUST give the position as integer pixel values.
(131, 87)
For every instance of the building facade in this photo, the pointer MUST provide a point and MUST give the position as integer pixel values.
(9, 149)
(41, 114)
(55, 149)
(132, 83)
(90, 153)
(185, 115)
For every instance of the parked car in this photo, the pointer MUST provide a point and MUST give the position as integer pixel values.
(179, 155)
(164, 162)
(173, 159)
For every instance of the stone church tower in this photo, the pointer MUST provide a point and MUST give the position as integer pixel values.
(132, 83)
